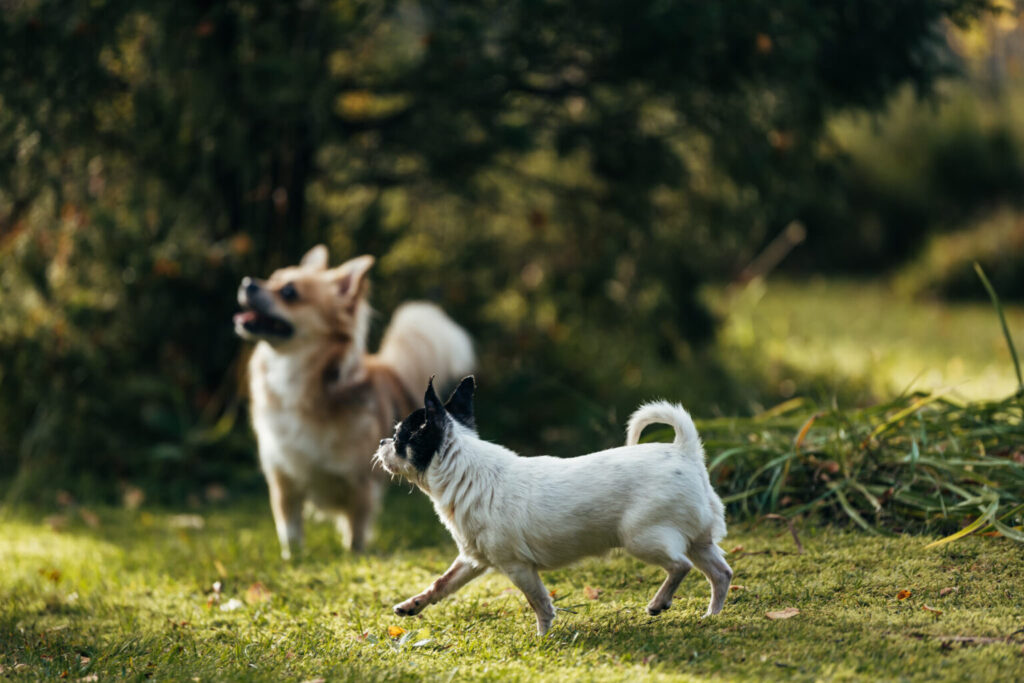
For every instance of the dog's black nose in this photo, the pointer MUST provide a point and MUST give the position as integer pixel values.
(249, 285)
(384, 442)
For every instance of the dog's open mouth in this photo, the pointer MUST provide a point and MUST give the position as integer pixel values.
(263, 324)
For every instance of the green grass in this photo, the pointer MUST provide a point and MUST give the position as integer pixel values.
(920, 462)
(129, 598)
(865, 332)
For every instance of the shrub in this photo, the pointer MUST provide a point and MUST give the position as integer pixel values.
(945, 266)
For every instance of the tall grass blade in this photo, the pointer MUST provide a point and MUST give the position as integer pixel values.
(985, 518)
(854, 515)
(1002, 320)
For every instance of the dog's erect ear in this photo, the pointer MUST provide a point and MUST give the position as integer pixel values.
(432, 405)
(315, 258)
(460, 403)
(350, 277)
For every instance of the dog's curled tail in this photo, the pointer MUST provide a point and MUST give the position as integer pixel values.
(421, 342)
(663, 412)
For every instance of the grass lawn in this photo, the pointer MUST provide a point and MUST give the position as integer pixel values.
(117, 594)
(865, 332)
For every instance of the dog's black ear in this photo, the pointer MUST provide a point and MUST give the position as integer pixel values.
(460, 403)
(433, 406)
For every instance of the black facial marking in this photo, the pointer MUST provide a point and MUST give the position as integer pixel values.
(417, 439)
(460, 403)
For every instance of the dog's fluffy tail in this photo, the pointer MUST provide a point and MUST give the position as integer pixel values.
(423, 342)
(687, 439)
(663, 412)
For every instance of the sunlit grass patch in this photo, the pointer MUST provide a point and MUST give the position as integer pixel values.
(865, 331)
(135, 597)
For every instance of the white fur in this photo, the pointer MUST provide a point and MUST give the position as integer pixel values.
(421, 336)
(519, 515)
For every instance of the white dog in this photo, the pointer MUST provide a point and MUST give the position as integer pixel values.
(520, 515)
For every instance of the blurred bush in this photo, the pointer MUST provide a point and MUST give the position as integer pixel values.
(118, 362)
(946, 265)
(894, 176)
(919, 168)
(562, 177)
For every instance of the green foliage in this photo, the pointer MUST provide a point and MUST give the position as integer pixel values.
(945, 266)
(921, 462)
(918, 168)
(849, 342)
(130, 600)
(552, 173)
(100, 382)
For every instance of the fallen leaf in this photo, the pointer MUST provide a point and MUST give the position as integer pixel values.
(783, 613)
(257, 593)
(734, 587)
(591, 593)
(737, 549)
(553, 593)
(926, 608)
(395, 631)
(903, 595)
(947, 590)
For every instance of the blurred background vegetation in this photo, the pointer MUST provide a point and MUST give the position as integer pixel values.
(598, 191)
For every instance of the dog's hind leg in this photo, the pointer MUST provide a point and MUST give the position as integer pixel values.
(462, 571)
(662, 600)
(528, 581)
(286, 501)
(710, 560)
(662, 547)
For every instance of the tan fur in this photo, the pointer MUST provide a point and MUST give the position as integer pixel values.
(320, 403)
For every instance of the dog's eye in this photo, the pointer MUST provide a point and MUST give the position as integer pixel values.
(289, 293)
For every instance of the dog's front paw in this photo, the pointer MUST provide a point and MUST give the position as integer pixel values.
(410, 607)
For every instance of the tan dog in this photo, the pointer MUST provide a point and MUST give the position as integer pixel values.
(320, 402)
